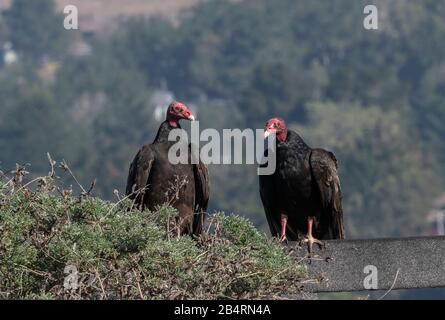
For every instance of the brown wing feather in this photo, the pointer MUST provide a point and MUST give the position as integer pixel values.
(139, 173)
(268, 197)
(324, 169)
(202, 191)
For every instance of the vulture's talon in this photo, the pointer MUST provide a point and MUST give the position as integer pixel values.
(301, 242)
(321, 244)
(283, 239)
(310, 241)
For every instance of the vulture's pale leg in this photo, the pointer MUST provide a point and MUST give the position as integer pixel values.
(309, 238)
(283, 228)
(178, 232)
(178, 228)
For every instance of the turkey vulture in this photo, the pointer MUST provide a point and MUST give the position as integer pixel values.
(302, 198)
(153, 180)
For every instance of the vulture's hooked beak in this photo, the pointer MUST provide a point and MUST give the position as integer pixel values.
(191, 118)
(267, 133)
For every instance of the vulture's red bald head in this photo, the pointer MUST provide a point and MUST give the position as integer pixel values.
(177, 111)
(277, 126)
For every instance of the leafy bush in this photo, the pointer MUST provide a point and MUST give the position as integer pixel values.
(47, 235)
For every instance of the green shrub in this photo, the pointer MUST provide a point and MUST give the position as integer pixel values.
(123, 253)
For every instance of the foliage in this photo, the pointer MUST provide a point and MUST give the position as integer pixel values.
(122, 253)
(35, 30)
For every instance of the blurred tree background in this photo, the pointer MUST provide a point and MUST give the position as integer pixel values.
(375, 98)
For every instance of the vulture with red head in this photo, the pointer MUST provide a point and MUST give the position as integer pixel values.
(153, 180)
(302, 198)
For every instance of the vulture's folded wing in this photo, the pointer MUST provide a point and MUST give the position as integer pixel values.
(269, 200)
(139, 172)
(324, 171)
(202, 190)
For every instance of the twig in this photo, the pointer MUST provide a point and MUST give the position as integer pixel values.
(19, 173)
(200, 255)
(52, 163)
(101, 283)
(139, 285)
(249, 275)
(210, 225)
(93, 184)
(242, 276)
(281, 272)
(168, 228)
(392, 286)
(65, 167)
(30, 182)
(175, 188)
(36, 272)
(137, 192)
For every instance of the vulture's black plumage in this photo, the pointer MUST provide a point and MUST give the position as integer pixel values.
(153, 180)
(302, 198)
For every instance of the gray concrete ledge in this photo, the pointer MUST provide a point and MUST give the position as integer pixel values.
(339, 267)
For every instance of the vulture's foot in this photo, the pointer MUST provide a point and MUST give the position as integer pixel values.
(178, 233)
(310, 241)
(283, 239)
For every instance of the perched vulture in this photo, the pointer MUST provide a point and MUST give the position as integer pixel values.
(302, 198)
(153, 180)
